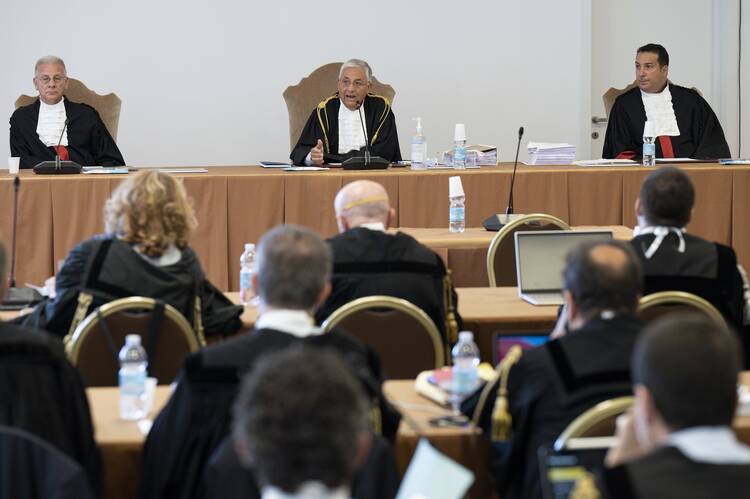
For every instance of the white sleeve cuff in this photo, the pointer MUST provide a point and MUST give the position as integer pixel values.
(308, 160)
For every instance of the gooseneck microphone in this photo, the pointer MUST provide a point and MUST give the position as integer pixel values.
(58, 167)
(57, 149)
(366, 162)
(364, 132)
(509, 208)
(12, 278)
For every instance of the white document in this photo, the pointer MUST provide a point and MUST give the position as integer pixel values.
(431, 475)
(605, 162)
(304, 169)
(676, 160)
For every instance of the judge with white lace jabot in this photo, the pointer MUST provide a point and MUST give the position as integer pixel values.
(55, 126)
(674, 260)
(685, 125)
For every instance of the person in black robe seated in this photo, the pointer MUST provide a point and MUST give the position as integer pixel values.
(144, 252)
(334, 132)
(42, 393)
(53, 125)
(293, 267)
(677, 440)
(685, 126)
(312, 444)
(368, 261)
(586, 361)
(673, 260)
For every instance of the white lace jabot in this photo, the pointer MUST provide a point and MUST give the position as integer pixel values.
(51, 122)
(351, 136)
(660, 112)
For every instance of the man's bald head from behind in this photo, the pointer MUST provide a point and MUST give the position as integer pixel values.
(363, 202)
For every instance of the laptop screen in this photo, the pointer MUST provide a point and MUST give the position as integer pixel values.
(560, 471)
(526, 340)
(540, 256)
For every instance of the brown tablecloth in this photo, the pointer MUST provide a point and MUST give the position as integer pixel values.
(237, 204)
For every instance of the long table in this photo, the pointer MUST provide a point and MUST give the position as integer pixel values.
(238, 204)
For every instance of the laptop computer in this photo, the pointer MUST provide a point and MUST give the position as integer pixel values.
(559, 471)
(525, 339)
(540, 260)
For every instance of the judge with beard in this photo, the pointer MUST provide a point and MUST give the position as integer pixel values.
(334, 132)
(54, 125)
(685, 126)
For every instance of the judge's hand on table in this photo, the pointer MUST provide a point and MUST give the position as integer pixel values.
(316, 153)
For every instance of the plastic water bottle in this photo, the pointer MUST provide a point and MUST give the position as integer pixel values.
(133, 364)
(457, 220)
(465, 361)
(247, 260)
(418, 148)
(459, 147)
(649, 148)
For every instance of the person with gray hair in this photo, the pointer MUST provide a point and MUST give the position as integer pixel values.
(292, 272)
(368, 260)
(55, 126)
(344, 124)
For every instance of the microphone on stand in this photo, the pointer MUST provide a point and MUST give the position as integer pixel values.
(17, 298)
(366, 162)
(497, 221)
(57, 166)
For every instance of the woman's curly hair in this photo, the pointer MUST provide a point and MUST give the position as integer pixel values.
(150, 210)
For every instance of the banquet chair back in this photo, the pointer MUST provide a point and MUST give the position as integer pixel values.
(108, 106)
(656, 305)
(166, 335)
(501, 254)
(303, 97)
(404, 337)
(599, 421)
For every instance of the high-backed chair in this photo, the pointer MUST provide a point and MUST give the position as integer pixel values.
(108, 106)
(404, 337)
(501, 254)
(303, 97)
(613, 93)
(599, 421)
(165, 333)
(663, 303)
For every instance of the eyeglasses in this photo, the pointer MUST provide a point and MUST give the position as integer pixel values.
(346, 83)
(45, 80)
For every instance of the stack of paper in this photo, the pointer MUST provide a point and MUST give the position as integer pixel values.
(544, 153)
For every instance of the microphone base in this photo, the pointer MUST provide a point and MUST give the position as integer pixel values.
(362, 163)
(51, 168)
(497, 221)
(18, 298)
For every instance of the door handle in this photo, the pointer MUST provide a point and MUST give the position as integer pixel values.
(596, 120)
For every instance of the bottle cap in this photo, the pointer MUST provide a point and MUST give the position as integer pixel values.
(419, 124)
(465, 336)
(249, 247)
(455, 188)
(460, 133)
(648, 129)
(133, 340)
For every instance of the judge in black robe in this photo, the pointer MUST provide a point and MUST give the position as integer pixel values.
(323, 125)
(701, 135)
(89, 142)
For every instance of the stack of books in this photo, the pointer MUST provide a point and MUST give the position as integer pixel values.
(544, 153)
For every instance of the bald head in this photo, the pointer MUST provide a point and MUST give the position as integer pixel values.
(603, 276)
(361, 202)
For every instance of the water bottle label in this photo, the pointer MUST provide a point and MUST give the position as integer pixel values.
(464, 379)
(245, 278)
(459, 154)
(649, 149)
(133, 384)
(457, 213)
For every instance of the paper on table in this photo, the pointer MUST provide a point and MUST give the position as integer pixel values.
(604, 162)
(676, 160)
(304, 169)
(432, 475)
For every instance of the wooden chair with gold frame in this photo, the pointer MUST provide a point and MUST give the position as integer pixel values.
(501, 254)
(95, 343)
(598, 421)
(662, 303)
(403, 335)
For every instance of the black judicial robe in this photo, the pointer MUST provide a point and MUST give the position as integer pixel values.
(89, 142)
(197, 417)
(667, 473)
(701, 135)
(371, 262)
(549, 387)
(323, 124)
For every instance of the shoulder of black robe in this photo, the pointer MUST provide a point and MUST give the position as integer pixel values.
(622, 133)
(704, 137)
(381, 128)
(30, 468)
(369, 262)
(321, 125)
(667, 472)
(89, 141)
(42, 393)
(24, 141)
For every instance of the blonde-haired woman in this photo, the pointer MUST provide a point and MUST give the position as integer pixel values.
(144, 252)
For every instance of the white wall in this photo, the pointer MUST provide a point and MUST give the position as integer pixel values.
(201, 82)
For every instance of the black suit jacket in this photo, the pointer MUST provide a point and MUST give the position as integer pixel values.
(550, 386)
(89, 142)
